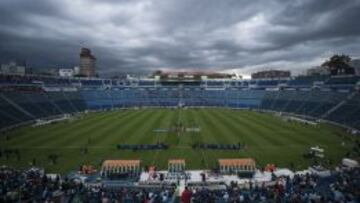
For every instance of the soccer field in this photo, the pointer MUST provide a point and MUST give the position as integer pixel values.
(267, 137)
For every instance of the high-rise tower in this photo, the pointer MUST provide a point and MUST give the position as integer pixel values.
(87, 63)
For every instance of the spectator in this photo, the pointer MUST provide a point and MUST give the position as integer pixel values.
(186, 196)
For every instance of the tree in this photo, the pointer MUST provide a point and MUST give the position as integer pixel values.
(339, 65)
(158, 72)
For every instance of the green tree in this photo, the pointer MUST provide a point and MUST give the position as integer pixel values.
(339, 65)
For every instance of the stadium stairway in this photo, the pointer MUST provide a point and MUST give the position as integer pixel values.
(348, 113)
(17, 107)
(70, 103)
(53, 103)
(339, 105)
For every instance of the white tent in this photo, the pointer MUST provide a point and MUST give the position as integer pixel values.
(284, 172)
(350, 163)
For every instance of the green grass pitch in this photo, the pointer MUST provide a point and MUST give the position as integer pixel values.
(269, 139)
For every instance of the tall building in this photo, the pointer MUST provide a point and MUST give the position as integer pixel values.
(87, 63)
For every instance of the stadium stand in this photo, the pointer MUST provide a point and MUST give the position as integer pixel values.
(318, 97)
(24, 185)
(268, 83)
(25, 99)
(347, 113)
(343, 80)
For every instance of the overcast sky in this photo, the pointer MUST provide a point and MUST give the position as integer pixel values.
(144, 35)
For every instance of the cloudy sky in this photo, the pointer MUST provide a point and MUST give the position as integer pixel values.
(144, 35)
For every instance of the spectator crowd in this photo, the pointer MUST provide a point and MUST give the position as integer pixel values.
(343, 186)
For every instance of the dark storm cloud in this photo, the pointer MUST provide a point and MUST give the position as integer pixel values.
(145, 35)
(316, 20)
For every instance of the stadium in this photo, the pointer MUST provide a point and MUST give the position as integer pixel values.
(179, 101)
(62, 124)
(102, 114)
